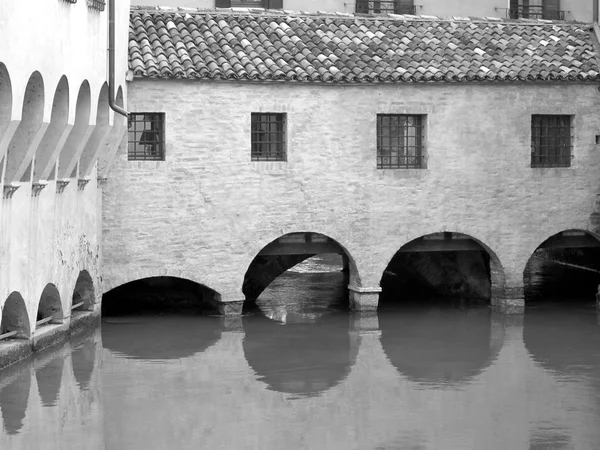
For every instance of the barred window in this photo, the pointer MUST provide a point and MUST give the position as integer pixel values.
(146, 137)
(551, 141)
(98, 5)
(399, 141)
(268, 137)
(385, 6)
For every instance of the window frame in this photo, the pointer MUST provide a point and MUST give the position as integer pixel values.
(258, 119)
(544, 152)
(159, 142)
(400, 151)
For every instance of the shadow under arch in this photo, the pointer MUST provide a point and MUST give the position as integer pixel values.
(19, 149)
(285, 252)
(49, 380)
(50, 146)
(440, 266)
(14, 401)
(15, 317)
(565, 266)
(440, 347)
(299, 358)
(50, 304)
(107, 155)
(6, 100)
(84, 294)
(93, 146)
(79, 134)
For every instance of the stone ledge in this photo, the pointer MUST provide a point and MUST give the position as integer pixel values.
(49, 335)
(83, 320)
(13, 351)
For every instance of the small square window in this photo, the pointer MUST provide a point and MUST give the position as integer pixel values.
(268, 137)
(400, 141)
(146, 137)
(551, 141)
(98, 5)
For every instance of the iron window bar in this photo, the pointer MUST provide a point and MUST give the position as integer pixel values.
(400, 141)
(385, 6)
(98, 5)
(551, 141)
(268, 140)
(146, 137)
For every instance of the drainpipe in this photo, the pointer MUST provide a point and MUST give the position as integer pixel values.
(111, 60)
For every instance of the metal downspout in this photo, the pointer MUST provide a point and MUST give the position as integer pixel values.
(111, 60)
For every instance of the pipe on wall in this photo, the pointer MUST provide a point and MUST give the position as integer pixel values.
(111, 60)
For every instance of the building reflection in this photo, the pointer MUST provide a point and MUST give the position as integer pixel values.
(15, 385)
(439, 347)
(160, 337)
(49, 379)
(304, 359)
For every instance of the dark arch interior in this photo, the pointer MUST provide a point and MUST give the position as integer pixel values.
(14, 316)
(442, 268)
(84, 291)
(564, 270)
(299, 358)
(158, 295)
(440, 347)
(50, 305)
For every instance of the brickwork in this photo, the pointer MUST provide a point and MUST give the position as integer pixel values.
(206, 211)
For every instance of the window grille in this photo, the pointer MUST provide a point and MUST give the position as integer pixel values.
(98, 5)
(268, 137)
(551, 141)
(399, 141)
(146, 137)
(385, 6)
(536, 9)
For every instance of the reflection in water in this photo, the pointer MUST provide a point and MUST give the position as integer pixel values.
(299, 358)
(440, 347)
(14, 397)
(84, 357)
(49, 377)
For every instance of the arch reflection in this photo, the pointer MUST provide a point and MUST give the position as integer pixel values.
(49, 379)
(14, 399)
(160, 337)
(83, 358)
(439, 347)
(563, 341)
(305, 359)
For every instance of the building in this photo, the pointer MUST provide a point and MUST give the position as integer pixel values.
(57, 136)
(272, 134)
(578, 10)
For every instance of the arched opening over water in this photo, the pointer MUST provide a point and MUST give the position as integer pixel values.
(441, 268)
(564, 269)
(49, 380)
(158, 295)
(14, 317)
(302, 359)
(297, 274)
(438, 347)
(84, 295)
(49, 307)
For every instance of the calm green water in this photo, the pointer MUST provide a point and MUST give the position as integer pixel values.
(303, 373)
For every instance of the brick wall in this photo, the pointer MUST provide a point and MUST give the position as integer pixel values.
(206, 211)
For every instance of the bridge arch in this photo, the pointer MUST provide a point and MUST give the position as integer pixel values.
(50, 305)
(487, 268)
(15, 317)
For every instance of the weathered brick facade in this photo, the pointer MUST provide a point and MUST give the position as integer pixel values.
(205, 212)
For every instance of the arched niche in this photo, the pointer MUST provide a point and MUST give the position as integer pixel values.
(285, 252)
(79, 135)
(299, 358)
(439, 347)
(100, 133)
(442, 266)
(49, 380)
(14, 402)
(84, 294)
(14, 317)
(56, 134)
(564, 268)
(28, 133)
(50, 305)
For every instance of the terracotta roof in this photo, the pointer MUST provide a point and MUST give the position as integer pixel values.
(280, 45)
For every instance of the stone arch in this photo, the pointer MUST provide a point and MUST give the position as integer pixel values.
(100, 133)
(302, 359)
(497, 275)
(84, 293)
(267, 262)
(50, 305)
(56, 134)
(553, 255)
(14, 316)
(79, 135)
(28, 133)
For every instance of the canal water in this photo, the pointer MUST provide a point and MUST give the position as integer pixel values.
(302, 372)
